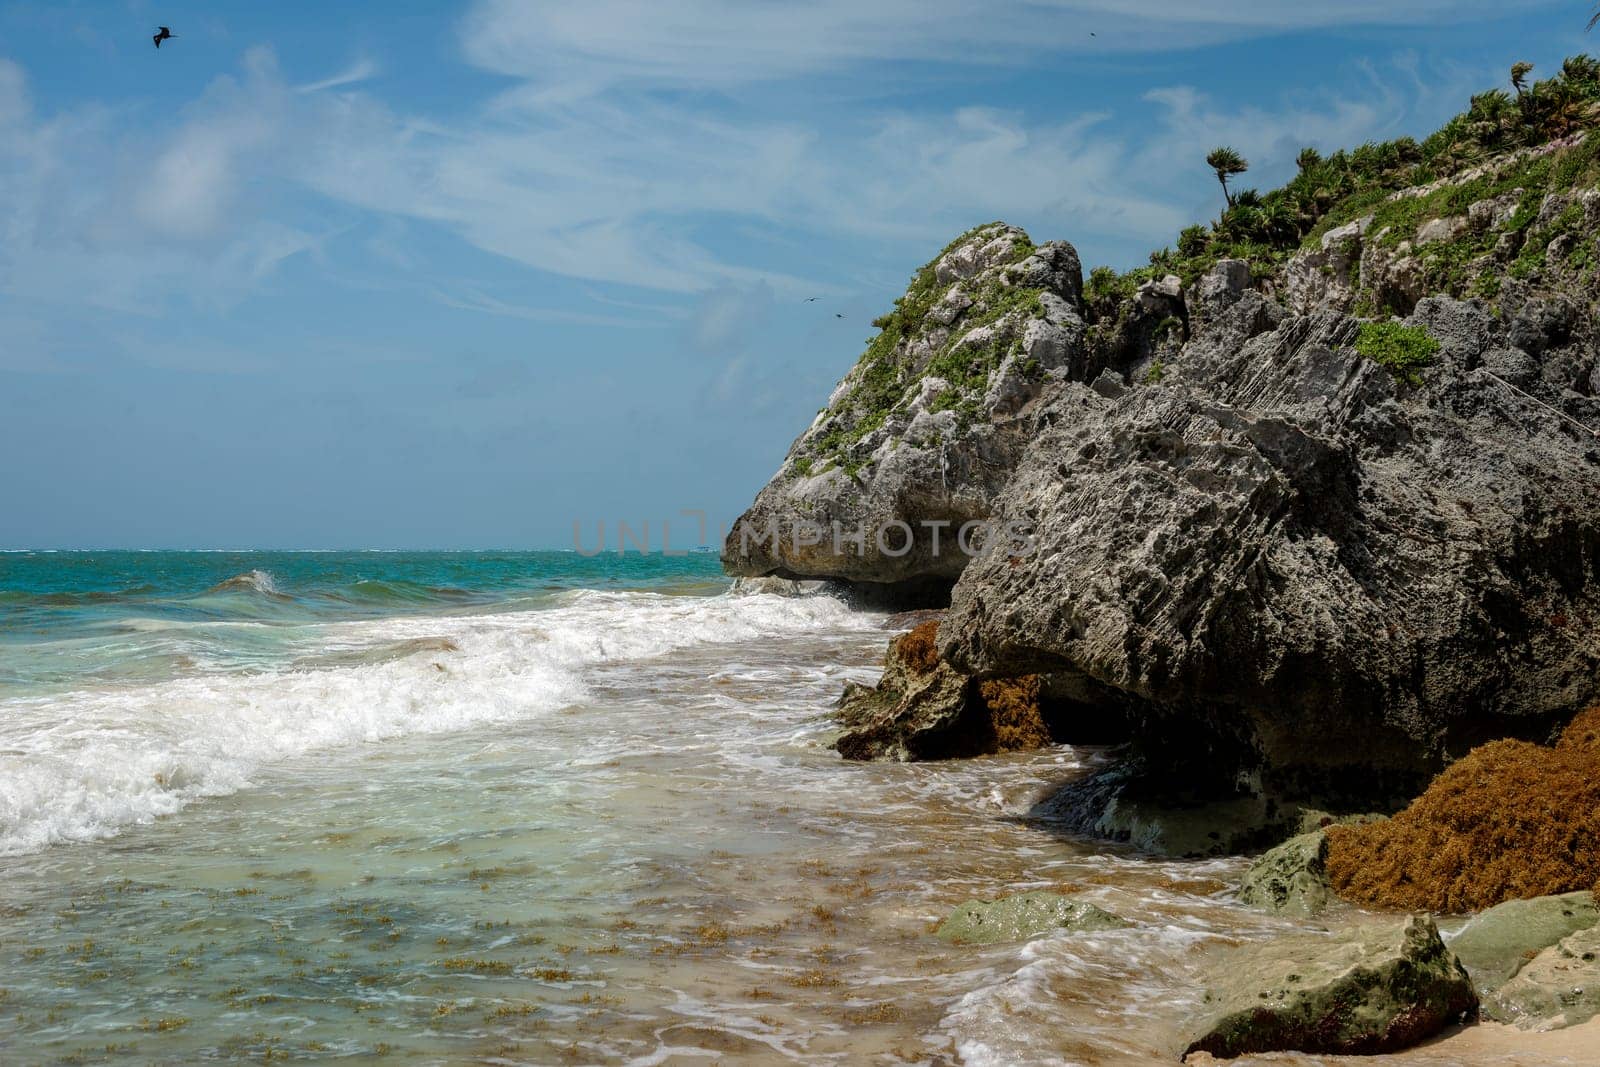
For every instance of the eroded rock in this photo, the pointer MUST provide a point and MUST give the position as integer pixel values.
(1291, 878)
(922, 709)
(1310, 575)
(1558, 987)
(921, 435)
(1496, 943)
(1357, 992)
(1025, 915)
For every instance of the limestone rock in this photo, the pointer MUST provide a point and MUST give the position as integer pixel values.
(1436, 230)
(922, 709)
(1125, 802)
(1558, 987)
(1358, 992)
(1223, 285)
(1291, 878)
(1025, 915)
(1496, 943)
(922, 434)
(1305, 575)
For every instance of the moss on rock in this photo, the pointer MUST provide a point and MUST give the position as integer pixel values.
(1025, 915)
(1357, 993)
(1290, 878)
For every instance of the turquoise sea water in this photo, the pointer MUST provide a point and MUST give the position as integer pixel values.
(522, 808)
(67, 618)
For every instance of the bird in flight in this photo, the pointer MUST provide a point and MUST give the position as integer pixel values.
(838, 316)
(162, 34)
(812, 299)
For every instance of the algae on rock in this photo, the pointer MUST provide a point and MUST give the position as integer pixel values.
(1495, 943)
(1359, 992)
(1291, 877)
(1025, 915)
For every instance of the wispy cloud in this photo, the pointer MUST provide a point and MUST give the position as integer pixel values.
(719, 43)
(359, 71)
(601, 162)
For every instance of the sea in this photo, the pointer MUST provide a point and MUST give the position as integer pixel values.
(526, 808)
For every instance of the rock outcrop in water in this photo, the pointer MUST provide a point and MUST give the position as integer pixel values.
(1024, 915)
(1303, 567)
(922, 709)
(1357, 993)
(1316, 523)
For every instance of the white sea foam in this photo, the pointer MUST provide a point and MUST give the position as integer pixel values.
(86, 764)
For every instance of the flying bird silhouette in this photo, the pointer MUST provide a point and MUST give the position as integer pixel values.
(838, 316)
(162, 34)
(812, 299)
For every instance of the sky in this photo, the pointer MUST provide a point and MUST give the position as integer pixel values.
(405, 274)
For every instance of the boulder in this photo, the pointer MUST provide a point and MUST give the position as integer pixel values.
(1025, 915)
(1154, 813)
(1356, 992)
(1558, 987)
(1496, 943)
(1291, 878)
(922, 709)
(1436, 230)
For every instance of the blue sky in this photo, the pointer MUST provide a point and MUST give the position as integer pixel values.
(407, 274)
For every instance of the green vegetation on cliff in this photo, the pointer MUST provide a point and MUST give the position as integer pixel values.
(1403, 349)
(884, 375)
(1531, 144)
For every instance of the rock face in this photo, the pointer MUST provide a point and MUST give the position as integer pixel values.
(1358, 993)
(921, 435)
(922, 709)
(1158, 813)
(1015, 918)
(1303, 567)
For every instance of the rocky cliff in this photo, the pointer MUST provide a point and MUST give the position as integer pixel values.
(929, 425)
(1315, 500)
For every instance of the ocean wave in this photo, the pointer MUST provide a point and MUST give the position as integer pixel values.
(73, 598)
(386, 591)
(256, 581)
(90, 763)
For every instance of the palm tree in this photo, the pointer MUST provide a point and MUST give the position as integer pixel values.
(1227, 163)
(1519, 76)
(1308, 158)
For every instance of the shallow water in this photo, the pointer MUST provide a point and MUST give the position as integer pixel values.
(604, 830)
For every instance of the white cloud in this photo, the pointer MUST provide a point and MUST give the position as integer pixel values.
(359, 71)
(585, 168)
(720, 43)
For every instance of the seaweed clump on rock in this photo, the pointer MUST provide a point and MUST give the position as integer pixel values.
(1510, 820)
(924, 709)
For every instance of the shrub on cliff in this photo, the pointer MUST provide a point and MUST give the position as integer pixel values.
(1511, 820)
(1403, 349)
(1267, 228)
